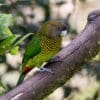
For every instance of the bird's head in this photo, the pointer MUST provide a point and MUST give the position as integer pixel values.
(53, 29)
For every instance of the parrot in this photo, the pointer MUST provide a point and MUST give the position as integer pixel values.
(45, 44)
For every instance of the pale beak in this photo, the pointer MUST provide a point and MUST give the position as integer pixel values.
(64, 33)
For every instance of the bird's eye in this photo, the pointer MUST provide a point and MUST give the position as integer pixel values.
(64, 28)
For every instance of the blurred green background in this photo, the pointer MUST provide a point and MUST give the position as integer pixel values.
(28, 17)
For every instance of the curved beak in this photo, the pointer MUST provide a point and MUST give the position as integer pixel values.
(63, 32)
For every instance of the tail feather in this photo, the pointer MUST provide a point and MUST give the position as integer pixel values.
(21, 78)
(25, 70)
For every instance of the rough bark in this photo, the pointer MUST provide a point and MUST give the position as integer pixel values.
(85, 46)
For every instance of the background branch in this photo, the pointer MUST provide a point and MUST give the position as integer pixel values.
(85, 46)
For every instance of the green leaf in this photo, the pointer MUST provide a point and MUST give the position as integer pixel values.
(5, 33)
(1, 85)
(7, 38)
(5, 44)
(3, 88)
(5, 21)
(14, 50)
(22, 39)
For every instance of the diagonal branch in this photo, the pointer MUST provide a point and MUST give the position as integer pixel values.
(85, 46)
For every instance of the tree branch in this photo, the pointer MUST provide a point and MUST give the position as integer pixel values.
(85, 46)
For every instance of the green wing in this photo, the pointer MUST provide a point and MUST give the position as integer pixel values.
(32, 49)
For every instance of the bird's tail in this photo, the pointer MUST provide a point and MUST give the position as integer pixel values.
(21, 78)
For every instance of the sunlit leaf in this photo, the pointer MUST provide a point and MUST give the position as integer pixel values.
(5, 44)
(5, 33)
(14, 50)
(5, 21)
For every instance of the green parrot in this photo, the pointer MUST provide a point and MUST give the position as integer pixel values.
(43, 46)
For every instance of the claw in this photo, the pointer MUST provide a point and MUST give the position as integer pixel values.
(47, 70)
(55, 59)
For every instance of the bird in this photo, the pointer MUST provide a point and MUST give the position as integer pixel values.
(45, 44)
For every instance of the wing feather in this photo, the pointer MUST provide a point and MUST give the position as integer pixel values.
(32, 49)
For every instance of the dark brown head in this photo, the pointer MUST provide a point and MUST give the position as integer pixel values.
(53, 29)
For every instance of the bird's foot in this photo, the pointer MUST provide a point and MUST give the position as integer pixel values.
(55, 59)
(47, 70)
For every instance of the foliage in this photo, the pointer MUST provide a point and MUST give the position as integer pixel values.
(1, 85)
(5, 21)
(7, 38)
(3, 88)
(9, 42)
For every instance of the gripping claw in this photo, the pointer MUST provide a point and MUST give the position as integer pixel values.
(55, 59)
(47, 70)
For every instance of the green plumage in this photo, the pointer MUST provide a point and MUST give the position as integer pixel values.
(46, 50)
(44, 45)
(32, 50)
